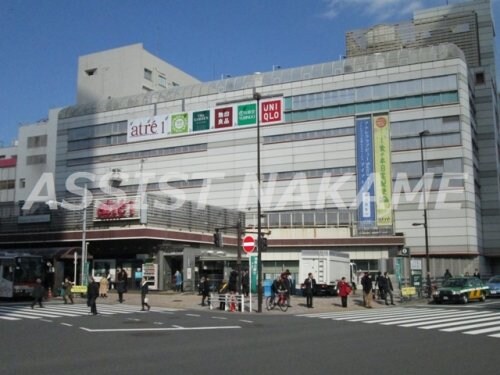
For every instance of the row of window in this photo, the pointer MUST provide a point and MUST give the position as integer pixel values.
(139, 154)
(416, 87)
(374, 106)
(7, 184)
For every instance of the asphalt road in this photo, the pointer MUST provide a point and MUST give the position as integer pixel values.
(122, 340)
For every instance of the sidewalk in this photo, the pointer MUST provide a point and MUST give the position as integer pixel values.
(192, 301)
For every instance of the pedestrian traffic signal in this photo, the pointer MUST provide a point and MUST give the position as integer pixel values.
(262, 243)
(218, 242)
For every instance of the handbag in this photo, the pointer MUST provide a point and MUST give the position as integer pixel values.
(146, 299)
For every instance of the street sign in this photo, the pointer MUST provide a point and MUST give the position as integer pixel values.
(248, 244)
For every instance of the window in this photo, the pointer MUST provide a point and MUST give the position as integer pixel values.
(148, 74)
(91, 72)
(36, 159)
(479, 78)
(162, 81)
(22, 183)
(37, 141)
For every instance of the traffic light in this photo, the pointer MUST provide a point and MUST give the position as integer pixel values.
(262, 243)
(218, 242)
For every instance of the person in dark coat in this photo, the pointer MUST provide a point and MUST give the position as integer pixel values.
(144, 293)
(92, 294)
(38, 293)
(389, 288)
(309, 285)
(121, 283)
(366, 283)
(245, 283)
(205, 290)
(382, 287)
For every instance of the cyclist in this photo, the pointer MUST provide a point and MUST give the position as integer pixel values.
(277, 287)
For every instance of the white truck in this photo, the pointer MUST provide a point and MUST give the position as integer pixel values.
(327, 267)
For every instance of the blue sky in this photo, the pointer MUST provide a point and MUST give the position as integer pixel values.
(41, 40)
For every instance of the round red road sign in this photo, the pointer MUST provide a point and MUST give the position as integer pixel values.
(248, 244)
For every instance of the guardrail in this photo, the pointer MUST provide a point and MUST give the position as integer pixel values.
(228, 301)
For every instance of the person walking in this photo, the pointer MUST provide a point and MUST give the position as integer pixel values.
(389, 288)
(121, 283)
(309, 285)
(344, 290)
(92, 294)
(447, 274)
(382, 286)
(245, 283)
(66, 291)
(205, 290)
(144, 295)
(288, 285)
(366, 283)
(476, 274)
(103, 287)
(178, 281)
(38, 293)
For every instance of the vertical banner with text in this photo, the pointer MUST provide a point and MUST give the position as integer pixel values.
(364, 169)
(383, 178)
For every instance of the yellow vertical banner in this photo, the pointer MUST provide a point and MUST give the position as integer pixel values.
(382, 161)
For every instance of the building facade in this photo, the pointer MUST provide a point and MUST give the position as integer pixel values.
(363, 155)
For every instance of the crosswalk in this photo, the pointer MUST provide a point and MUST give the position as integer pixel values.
(469, 322)
(50, 311)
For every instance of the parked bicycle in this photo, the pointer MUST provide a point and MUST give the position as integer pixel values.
(280, 300)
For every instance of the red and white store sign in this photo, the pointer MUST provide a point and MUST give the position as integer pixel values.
(116, 209)
(271, 111)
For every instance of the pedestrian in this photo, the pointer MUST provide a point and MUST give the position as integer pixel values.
(178, 281)
(245, 283)
(121, 283)
(205, 290)
(376, 289)
(233, 289)
(92, 294)
(38, 293)
(429, 285)
(447, 274)
(389, 288)
(66, 291)
(288, 284)
(476, 274)
(144, 294)
(366, 284)
(103, 287)
(344, 290)
(382, 287)
(309, 285)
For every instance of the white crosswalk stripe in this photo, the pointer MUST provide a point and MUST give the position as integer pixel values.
(470, 322)
(19, 312)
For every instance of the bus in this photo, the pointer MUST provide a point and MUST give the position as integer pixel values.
(18, 274)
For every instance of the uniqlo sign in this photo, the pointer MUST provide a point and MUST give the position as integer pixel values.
(223, 117)
(271, 111)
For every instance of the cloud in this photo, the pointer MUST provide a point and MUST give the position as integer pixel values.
(379, 10)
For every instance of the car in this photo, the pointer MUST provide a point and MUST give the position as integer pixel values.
(494, 285)
(461, 289)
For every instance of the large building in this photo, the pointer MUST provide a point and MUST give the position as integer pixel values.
(385, 149)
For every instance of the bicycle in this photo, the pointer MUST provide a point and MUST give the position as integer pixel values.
(280, 300)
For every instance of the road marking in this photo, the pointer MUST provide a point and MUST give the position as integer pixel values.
(158, 329)
(219, 317)
(445, 320)
(195, 315)
(67, 324)
(46, 320)
(246, 321)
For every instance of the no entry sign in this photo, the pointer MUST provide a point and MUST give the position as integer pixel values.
(248, 244)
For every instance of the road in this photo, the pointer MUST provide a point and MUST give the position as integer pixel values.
(64, 339)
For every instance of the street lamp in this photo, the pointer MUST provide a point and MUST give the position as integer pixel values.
(257, 97)
(422, 134)
(51, 203)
